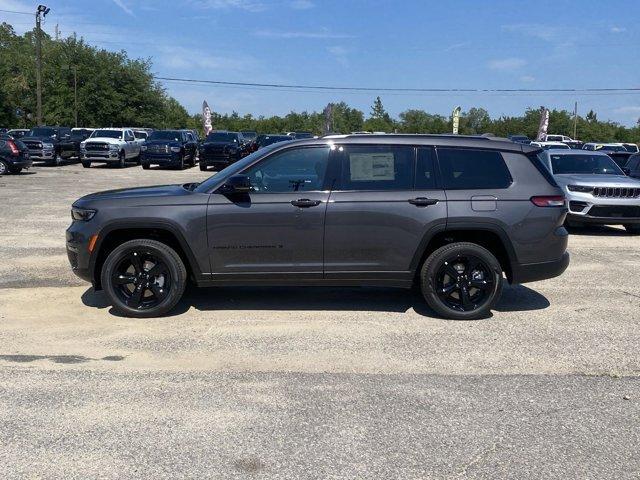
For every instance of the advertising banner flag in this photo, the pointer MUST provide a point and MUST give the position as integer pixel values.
(455, 119)
(328, 119)
(544, 125)
(206, 118)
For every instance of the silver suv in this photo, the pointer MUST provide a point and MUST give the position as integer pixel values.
(597, 189)
(452, 214)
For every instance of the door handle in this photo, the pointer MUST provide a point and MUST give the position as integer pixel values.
(423, 201)
(305, 203)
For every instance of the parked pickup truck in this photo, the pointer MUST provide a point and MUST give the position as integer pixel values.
(110, 145)
(575, 144)
(51, 145)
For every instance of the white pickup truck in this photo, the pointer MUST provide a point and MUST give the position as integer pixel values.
(110, 145)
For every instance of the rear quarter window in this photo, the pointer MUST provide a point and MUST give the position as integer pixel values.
(469, 169)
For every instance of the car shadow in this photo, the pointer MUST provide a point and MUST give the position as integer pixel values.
(598, 230)
(515, 298)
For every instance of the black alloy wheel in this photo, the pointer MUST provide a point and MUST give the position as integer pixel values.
(461, 281)
(144, 278)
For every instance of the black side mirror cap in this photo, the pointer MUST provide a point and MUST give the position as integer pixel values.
(236, 184)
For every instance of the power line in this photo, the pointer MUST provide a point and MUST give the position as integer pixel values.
(16, 12)
(401, 89)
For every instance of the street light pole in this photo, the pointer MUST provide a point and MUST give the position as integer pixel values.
(41, 12)
(75, 94)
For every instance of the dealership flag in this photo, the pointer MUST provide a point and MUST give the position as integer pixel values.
(455, 116)
(206, 118)
(544, 124)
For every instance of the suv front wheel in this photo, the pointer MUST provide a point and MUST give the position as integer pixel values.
(143, 278)
(461, 281)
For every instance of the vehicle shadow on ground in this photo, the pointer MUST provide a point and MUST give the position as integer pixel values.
(514, 298)
(599, 230)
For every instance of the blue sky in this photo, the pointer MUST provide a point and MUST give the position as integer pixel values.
(372, 43)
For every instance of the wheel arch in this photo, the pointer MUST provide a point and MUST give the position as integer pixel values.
(491, 237)
(115, 234)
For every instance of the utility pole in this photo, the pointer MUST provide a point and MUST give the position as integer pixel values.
(575, 121)
(41, 12)
(75, 94)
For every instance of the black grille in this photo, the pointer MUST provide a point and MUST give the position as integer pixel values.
(33, 145)
(96, 147)
(616, 192)
(622, 211)
(158, 149)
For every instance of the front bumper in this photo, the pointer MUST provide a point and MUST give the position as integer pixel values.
(106, 157)
(41, 155)
(585, 208)
(217, 161)
(77, 242)
(533, 272)
(160, 159)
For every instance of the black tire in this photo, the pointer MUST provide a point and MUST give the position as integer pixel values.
(632, 228)
(86, 164)
(466, 297)
(129, 299)
(4, 168)
(57, 160)
(203, 167)
(122, 162)
(180, 165)
(145, 166)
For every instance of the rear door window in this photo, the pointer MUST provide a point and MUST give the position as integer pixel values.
(377, 167)
(425, 169)
(469, 169)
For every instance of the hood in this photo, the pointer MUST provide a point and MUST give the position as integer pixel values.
(160, 191)
(39, 139)
(170, 143)
(597, 180)
(109, 140)
(219, 144)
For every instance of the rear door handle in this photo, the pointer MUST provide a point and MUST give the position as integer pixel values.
(305, 203)
(423, 201)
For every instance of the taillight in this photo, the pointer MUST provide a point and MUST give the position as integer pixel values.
(13, 148)
(549, 201)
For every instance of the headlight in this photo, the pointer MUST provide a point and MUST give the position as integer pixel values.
(47, 146)
(143, 148)
(82, 214)
(579, 188)
(175, 149)
(114, 147)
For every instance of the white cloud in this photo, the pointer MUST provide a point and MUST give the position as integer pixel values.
(248, 5)
(124, 7)
(180, 58)
(618, 29)
(299, 34)
(527, 78)
(507, 64)
(536, 30)
(302, 4)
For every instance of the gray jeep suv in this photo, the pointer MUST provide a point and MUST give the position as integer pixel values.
(452, 214)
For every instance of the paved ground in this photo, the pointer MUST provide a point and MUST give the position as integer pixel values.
(308, 383)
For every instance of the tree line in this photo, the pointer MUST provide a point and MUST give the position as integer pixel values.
(115, 90)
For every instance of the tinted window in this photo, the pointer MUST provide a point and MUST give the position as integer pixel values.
(425, 169)
(464, 169)
(222, 137)
(584, 164)
(41, 132)
(106, 134)
(634, 162)
(380, 167)
(296, 170)
(140, 135)
(172, 135)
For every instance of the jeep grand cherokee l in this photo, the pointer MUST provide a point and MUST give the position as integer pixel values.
(453, 214)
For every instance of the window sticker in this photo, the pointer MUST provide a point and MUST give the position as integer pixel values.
(368, 167)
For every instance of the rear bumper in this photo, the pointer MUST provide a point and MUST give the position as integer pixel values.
(21, 163)
(533, 272)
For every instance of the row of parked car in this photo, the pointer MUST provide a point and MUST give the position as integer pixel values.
(177, 148)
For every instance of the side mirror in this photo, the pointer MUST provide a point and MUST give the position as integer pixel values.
(236, 184)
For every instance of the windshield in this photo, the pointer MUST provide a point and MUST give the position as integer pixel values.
(631, 147)
(171, 135)
(264, 140)
(140, 135)
(222, 137)
(106, 134)
(41, 132)
(232, 169)
(612, 148)
(584, 164)
(249, 135)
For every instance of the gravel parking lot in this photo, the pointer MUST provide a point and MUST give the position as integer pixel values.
(308, 383)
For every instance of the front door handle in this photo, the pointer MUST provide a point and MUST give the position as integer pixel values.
(423, 201)
(305, 203)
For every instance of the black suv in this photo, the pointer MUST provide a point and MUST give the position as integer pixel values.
(14, 155)
(220, 149)
(51, 145)
(452, 214)
(169, 148)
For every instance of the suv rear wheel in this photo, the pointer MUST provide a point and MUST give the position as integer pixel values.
(4, 168)
(143, 278)
(633, 228)
(461, 281)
